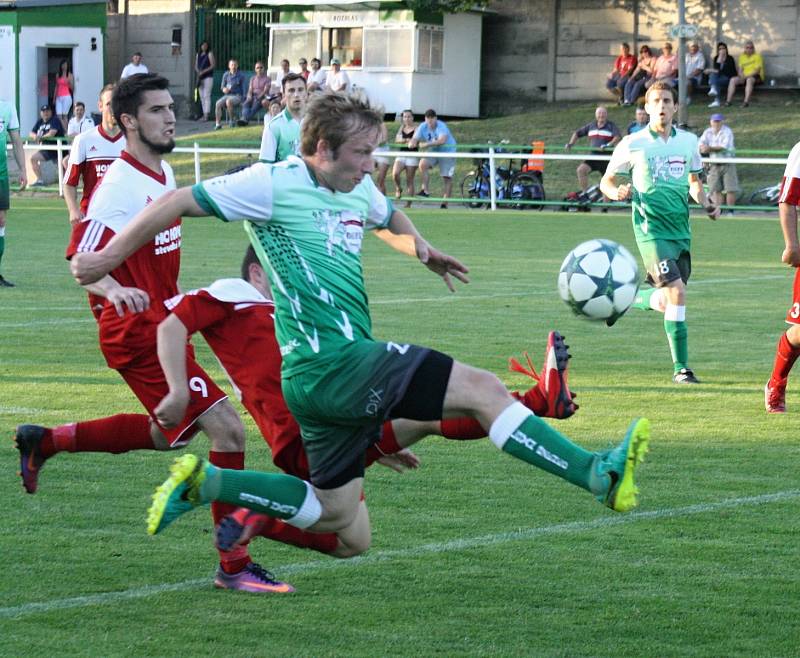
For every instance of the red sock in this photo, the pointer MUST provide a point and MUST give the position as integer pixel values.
(462, 429)
(785, 356)
(534, 399)
(237, 559)
(388, 445)
(283, 532)
(114, 434)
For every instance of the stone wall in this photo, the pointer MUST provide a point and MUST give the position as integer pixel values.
(149, 31)
(562, 49)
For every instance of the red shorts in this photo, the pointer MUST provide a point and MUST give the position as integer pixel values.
(793, 315)
(146, 379)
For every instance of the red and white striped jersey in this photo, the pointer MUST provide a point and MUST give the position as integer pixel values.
(90, 157)
(126, 189)
(790, 185)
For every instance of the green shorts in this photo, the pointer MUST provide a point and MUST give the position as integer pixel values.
(342, 405)
(666, 261)
(4, 193)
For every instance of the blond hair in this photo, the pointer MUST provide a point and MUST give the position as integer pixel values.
(335, 118)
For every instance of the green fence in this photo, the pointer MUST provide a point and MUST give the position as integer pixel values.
(235, 34)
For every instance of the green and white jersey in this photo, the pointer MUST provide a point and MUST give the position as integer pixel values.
(309, 240)
(281, 138)
(659, 172)
(8, 121)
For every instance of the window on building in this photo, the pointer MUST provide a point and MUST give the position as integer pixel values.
(292, 44)
(429, 49)
(388, 48)
(344, 43)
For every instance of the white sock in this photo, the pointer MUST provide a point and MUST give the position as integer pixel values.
(310, 511)
(675, 313)
(507, 422)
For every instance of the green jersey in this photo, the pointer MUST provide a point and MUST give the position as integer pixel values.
(309, 240)
(281, 138)
(659, 172)
(8, 121)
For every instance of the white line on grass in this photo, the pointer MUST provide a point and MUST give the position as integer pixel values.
(413, 552)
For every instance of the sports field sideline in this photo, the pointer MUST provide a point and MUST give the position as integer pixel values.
(474, 554)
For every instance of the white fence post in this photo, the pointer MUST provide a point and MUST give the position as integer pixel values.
(60, 172)
(492, 179)
(197, 163)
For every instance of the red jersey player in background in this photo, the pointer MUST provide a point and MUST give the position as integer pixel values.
(90, 157)
(129, 304)
(789, 344)
(235, 318)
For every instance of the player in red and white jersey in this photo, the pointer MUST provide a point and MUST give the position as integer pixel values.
(789, 344)
(235, 316)
(131, 299)
(90, 157)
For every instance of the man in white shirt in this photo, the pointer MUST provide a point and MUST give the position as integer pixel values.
(317, 77)
(134, 67)
(695, 64)
(717, 142)
(79, 123)
(337, 80)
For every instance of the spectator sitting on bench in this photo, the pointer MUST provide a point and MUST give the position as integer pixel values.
(666, 67)
(257, 91)
(750, 73)
(639, 75)
(623, 67)
(232, 88)
(722, 70)
(695, 64)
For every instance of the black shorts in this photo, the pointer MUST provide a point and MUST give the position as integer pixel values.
(597, 165)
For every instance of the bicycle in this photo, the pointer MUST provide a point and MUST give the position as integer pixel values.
(766, 196)
(511, 184)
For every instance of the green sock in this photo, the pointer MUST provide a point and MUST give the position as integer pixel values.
(678, 337)
(642, 299)
(277, 495)
(2, 245)
(521, 434)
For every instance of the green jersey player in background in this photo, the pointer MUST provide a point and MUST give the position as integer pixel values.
(306, 219)
(9, 127)
(281, 137)
(663, 164)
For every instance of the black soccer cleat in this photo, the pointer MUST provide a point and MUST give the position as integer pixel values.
(685, 376)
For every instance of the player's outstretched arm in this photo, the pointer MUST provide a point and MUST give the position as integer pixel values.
(89, 267)
(791, 251)
(172, 336)
(403, 236)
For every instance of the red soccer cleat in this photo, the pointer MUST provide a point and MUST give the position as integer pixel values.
(775, 399)
(552, 383)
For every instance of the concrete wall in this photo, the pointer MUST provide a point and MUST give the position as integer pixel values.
(522, 41)
(149, 31)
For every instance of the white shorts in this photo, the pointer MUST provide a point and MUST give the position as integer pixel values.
(447, 166)
(63, 103)
(381, 159)
(407, 162)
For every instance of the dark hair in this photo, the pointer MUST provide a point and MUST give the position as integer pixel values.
(81, 103)
(250, 258)
(722, 44)
(335, 118)
(317, 60)
(430, 114)
(127, 96)
(207, 42)
(647, 48)
(137, 53)
(291, 77)
(69, 66)
(625, 44)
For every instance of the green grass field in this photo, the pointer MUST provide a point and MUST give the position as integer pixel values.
(475, 553)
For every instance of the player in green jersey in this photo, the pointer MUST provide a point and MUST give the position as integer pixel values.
(663, 164)
(306, 218)
(9, 128)
(281, 137)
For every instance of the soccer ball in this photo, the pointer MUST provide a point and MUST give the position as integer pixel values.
(599, 280)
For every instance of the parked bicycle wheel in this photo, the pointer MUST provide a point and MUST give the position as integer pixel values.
(474, 187)
(526, 187)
